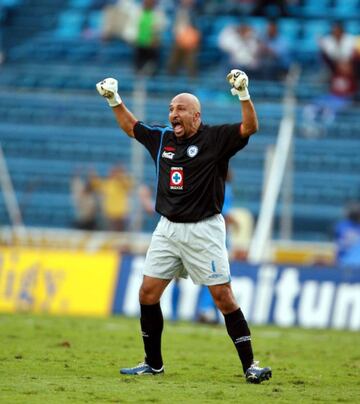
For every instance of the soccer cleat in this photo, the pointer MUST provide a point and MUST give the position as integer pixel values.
(256, 375)
(141, 369)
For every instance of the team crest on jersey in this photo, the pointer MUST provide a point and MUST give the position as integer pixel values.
(176, 178)
(192, 151)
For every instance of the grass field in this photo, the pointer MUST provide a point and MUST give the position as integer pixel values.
(75, 360)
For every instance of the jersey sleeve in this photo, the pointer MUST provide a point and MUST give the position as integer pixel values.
(228, 139)
(149, 136)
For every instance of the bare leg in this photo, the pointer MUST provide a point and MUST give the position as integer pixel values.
(152, 289)
(224, 298)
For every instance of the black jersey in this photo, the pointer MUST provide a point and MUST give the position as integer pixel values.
(191, 172)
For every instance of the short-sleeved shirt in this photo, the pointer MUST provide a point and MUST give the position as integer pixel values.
(190, 172)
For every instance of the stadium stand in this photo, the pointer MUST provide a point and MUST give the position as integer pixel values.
(52, 122)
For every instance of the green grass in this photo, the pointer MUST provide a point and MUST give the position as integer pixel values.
(76, 360)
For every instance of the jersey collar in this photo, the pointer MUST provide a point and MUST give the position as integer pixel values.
(191, 139)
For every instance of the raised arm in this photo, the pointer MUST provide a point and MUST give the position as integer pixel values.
(239, 81)
(108, 88)
(250, 123)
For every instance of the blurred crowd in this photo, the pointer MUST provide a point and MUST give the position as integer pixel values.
(340, 52)
(102, 203)
(263, 54)
(143, 25)
(168, 35)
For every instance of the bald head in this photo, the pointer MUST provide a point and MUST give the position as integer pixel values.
(185, 115)
(189, 99)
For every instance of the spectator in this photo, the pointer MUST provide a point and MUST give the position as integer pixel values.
(242, 47)
(114, 192)
(85, 204)
(139, 25)
(147, 217)
(119, 20)
(347, 237)
(150, 24)
(337, 47)
(343, 81)
(186, 40)
(146, 199)
(338, 50)
(275, 56)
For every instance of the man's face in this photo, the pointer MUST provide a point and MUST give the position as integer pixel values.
(272, 30)
(184, 115)
(337, 31)
(149, 4)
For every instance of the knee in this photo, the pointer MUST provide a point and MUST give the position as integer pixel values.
(147, 295)
(225, 301)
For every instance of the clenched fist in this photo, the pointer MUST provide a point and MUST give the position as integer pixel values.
(108, 88)
(239, 82)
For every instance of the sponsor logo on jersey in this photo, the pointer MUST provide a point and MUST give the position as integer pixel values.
(176, 178)
(192, 151)
(168, 155)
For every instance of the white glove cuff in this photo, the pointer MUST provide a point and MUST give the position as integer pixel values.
(242, 94)
(115, 100)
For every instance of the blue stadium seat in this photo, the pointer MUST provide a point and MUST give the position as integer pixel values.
(313, 30)
(290, 29)
(80, 3)
(11, 3)
(316, 8)
(346, 9)
(70, 24)
(352, 26)
(95, 20)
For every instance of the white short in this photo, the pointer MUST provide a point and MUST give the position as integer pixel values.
(195, 249)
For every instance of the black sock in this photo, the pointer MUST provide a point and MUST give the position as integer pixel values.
(239, 332)
(151, 326)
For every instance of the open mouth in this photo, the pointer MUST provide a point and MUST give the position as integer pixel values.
(178, 128)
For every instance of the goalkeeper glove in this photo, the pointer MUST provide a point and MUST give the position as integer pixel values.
(108, 88)
(239, 82)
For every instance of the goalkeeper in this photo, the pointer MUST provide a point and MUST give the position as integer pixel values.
(191, 161)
